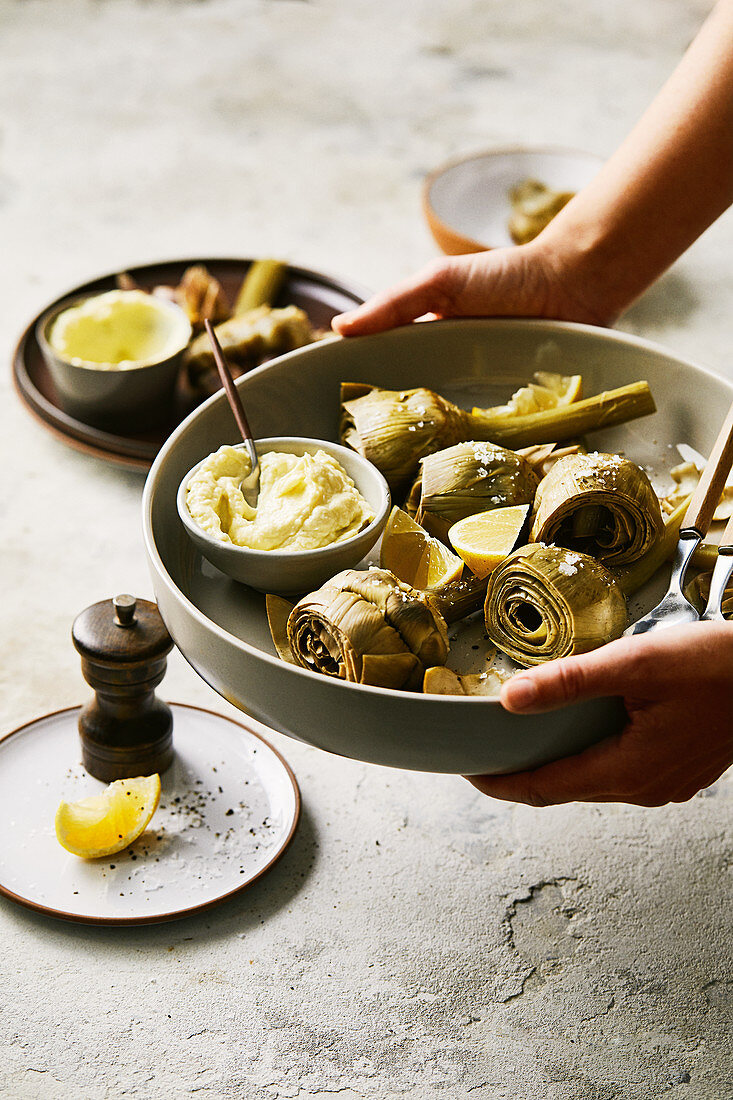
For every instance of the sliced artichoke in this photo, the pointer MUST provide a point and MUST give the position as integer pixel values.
(369, 628)
(468, 478)
(544, 602)
(599, 504)
(443, 681)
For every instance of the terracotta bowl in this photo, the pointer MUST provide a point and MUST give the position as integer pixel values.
(466, 202)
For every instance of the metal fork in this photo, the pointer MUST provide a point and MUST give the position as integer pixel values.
(675, 608)
(721, 573)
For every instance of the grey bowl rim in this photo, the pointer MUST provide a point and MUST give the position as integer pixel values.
(155, 561)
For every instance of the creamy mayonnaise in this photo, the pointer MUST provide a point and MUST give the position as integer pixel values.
(305, 501)
(119, 330)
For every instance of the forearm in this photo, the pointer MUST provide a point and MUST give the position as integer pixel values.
(669, 180)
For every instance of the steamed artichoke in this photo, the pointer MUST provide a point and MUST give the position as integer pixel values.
(369, 628)
(394, 429)
(599, 504)
(544, 602)
(468, 478)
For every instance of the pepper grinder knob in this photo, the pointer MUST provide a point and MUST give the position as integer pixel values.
(124, 610)
(125, 729)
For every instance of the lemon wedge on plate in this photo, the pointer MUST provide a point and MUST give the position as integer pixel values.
(414, 556)
(486, 538)
(105, 823)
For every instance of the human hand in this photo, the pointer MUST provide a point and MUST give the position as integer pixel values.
(677, 686)
(524, 281)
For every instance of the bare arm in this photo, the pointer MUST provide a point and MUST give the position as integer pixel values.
(669, 180)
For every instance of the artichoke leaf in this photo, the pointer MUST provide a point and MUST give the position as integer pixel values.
(389, 671)
(543, 456)
(441, 680)
(278, 612)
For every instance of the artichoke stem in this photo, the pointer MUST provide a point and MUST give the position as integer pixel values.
(261, 285)
(565, 422)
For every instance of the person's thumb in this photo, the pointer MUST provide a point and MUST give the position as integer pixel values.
(605, 671)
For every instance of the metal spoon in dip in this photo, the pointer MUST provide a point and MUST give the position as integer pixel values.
(250, 485)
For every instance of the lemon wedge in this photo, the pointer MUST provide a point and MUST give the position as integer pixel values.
(485, 539)
(414, 557)
(105, 823)
(548, 391)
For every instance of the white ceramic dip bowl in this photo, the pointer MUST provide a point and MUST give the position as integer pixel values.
(295, 571)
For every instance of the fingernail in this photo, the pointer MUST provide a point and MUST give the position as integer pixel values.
(521, 692)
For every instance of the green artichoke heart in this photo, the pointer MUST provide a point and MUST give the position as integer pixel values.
(545, 602)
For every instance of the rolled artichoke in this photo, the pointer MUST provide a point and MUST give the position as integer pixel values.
(598, 504)
(468, 478)
(369, 628)
(394, 429)
(545, 602)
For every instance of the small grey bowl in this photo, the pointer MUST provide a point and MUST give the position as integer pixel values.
(109, 398)
(291, 571)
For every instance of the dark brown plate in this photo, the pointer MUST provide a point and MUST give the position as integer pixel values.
(320, 296)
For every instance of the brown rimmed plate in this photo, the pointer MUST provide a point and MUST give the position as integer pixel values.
(319, 295)
(229, 807)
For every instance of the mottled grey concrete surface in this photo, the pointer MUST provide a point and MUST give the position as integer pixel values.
(417, 940)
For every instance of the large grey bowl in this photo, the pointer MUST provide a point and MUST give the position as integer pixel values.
(220, 626)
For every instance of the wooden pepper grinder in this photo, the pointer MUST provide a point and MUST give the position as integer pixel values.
(125, 730)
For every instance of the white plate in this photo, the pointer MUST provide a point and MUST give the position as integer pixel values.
(228, 809)
(470, 197)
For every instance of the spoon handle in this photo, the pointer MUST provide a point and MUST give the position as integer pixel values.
(228, 383)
